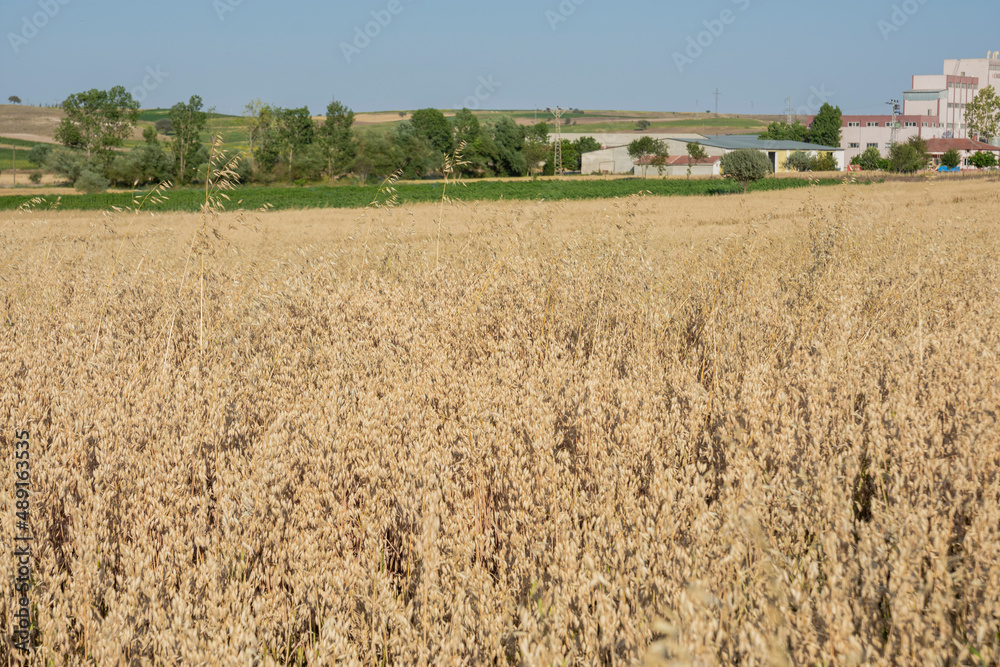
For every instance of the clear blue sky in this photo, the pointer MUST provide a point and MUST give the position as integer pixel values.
(603, 55)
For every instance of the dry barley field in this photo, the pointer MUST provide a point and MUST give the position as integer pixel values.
(751, 430)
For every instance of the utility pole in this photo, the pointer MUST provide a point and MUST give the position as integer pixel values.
(895, 125)
(717, 93)
(557, 163)
(789, 110)
(15, 163)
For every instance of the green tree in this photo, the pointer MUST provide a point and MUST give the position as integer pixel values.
(467, 130)
(432, 124)
(746, 166)
(695, 152)
(336, 138)
(413, 153)
(800, 161)
(983, 114)
(782, 131)
(98, 120)
(14, 99)
(870, 160)
(825, 128)
(70, 162)
(538, 132)
(165, 126)
(648, 150)
(260, 123)
(570, 157)
(295, 131)
(466, 127)
(910, 156)
(508, 137)
(983, 160)
(951, 159)
(376, 156)
(587, 145)
(642, 125)
(188, 121)
(39, 153)
(535, 153)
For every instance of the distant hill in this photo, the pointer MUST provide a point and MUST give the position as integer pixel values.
(38, 124)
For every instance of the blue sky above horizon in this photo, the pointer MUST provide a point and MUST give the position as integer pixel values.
(642, 55)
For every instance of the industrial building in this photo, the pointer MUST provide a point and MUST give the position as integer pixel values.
(616, 160)
(678, 165)
(777, 151)
(933, 108)
(614, 157)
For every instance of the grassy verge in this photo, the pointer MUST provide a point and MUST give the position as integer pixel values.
(355, 196)
(7, 159)
(5, 141)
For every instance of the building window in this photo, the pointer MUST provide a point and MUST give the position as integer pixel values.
(910, 123)
(854, 124)
(855, 145)
(872, 145)
(870, 124)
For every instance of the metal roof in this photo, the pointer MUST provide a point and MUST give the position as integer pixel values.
(733, 142)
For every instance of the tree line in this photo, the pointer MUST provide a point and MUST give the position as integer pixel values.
(289, 145)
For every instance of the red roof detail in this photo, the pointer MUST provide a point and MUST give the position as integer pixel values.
(936, 146)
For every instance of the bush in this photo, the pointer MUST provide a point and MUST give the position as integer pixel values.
(983, 160)
(951, 159)
(909, 157)
(39, 154)
(35, 177)
(800, 161)
(165, 126)
(70, 163)
(825, 162)
(746, 166)
(91, 182)
(871, 160)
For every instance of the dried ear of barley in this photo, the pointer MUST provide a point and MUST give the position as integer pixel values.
(705, 431)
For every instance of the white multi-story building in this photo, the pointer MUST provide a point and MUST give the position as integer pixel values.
(946, 96)
(933, 108)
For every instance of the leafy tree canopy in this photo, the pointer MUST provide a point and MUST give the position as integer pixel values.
(98, 120)
(432, 124)
(826, 127)
(746, 166)
(983, 114)
(782, 131)
(910, 156)
(951, 159)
